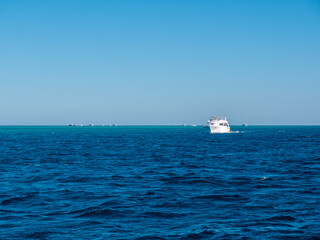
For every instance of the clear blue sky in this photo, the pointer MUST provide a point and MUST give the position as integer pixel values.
(159, 62)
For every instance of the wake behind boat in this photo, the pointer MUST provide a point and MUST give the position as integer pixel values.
(219, 125)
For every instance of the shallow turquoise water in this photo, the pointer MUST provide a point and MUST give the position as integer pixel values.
(159, 182)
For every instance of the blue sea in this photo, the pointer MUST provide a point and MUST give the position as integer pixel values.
(159, 182)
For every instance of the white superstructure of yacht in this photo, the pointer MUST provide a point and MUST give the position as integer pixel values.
(219, 125)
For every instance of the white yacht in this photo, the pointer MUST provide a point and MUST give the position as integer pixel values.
(219, 125)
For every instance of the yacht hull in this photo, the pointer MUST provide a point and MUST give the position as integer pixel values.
(220, 129)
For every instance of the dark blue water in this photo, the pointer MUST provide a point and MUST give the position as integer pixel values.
(159, 183)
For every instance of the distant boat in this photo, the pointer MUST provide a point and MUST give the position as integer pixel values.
(219, 125)
(244, 125)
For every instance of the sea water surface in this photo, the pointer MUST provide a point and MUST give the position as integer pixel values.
(159, 182)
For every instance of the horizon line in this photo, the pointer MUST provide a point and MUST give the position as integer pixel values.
(123, 125)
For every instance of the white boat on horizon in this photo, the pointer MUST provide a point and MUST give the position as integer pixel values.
(218, 125)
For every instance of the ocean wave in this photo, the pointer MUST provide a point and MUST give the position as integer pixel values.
(221, 197)
(163, 214)
(96, 212)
